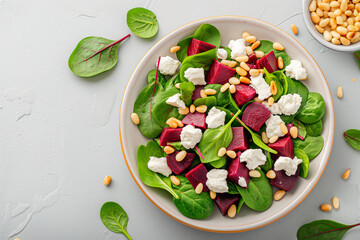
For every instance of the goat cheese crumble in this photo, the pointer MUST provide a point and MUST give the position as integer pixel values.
(273, 126)
(253, 158)
(295, 70)
(215, 118)
(242, 182)
(287, 164)
(195, 75)
(261, 87)
(159, 165)
(216, 180)
(190, 136)
(222, 53)
(175, 101)
(288, 104)
(168, 65)
(237, 48)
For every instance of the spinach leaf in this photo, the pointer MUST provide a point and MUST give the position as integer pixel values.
(258, 196)
(186, 90)
(151, 76)
(172, 81)
(313, 110)
(282, 79)
(191, 204)
(215, 138)
(208, 101)
(223, 98)
(233, 107)
(161, 111)
(323, 230)
(301, 128)
(219, 163)
(304, 168)
(352, 136)
(94, 55)
(232, 189)
(148, 177)
(142, 22)
(271, 77)
(240, 204)
(267, 46)
(314, 129)
(312, 146)
(206, 33)
(114, 218)
(268, 164)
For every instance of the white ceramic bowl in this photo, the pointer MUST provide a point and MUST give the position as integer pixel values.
(230, 27)
(319, 37)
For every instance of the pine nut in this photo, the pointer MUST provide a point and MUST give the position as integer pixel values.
(201, 109)
(254, 174)
(337, 12)
(264, 137)
(294, 29)
(175, 180)
(339, 92)
(232, 64)
(356, 37)
(271, 174)
(199, 188)
(250, 39)
(245, 80)
(210, 91)
(319, 29)
(327, 36)
(232, 89)
(255, 45)
(177, 85)
(273, 88)
(234, 81)
(324, 6)
(192, 108)
(350, 35)
(346, 174)
(345, 41)
(352, 28)
(273, 139)
(184, 111)
(334, 4)
(280, 63)
(135, 118)
(315, 17)
(241, 71)
(348, 13)
(222, 152)
(245, 35)
(169, 149)
(225, 62)
(335, 34)
(178, 122)
(249, 50)
(279, 194)
(231, 154)
(202, 93)
(353, 79)
(324, 22)
(180, 155)
(335, 202)
(294, 132)
(171, 123)
(107, 180)
(231, 211)
(256, 99)
(342, 30)
(325, 207)
(212, 195)
(320, 12)
(244, 66)
(224, 87)
(174, 49)
(283, 128)
(242, 59)
(262, 71)
(331, 15)
(335, 41)
(254, 72)
(312, 6)
(271, 101)
(278, 46)
(344, 5)
(259, 54)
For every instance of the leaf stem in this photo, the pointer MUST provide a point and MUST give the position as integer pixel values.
(127, 235)
(336, 229)
(234, 117)
(155, 83)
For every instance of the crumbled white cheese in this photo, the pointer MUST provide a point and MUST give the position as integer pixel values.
(215, 118)
(253, 158)
(168, 65)
(261, 87)
(295, 70)
(289, 103)
(216, 180)
(195, 75)
(237, 48)
(175, 101)
(287, 164)
(273, 126)
(159, 165)
(274, 109)
(190, 136)
(242, 182)
(222, 53)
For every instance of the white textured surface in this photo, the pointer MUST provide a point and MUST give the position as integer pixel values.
(59, 132)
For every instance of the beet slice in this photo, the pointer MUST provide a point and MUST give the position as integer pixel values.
(198, 175)
(170, 135)
(196, 93)
(244, 93)
(284, 146)
(284, 181)
(224, 201)
(196, 119)
(239, 141)
(269, 61)
(219, 73)
(255, 115)
(238, 169)
(252, 59)
(196, 46)
(179, 167)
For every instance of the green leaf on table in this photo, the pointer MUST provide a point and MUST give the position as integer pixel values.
(352, 136)
(142, 22)
(357, 55)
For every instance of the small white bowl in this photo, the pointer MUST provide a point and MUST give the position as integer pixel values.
(319, 37)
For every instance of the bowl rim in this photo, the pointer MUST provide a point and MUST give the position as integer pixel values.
(214, 230)
(311, 28)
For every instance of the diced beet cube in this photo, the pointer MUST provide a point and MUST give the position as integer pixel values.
(252, 59)
(196, 93)
(284, 181)
(179, 167)
(219, 73)
(224, 201)
(239, 141)
(170, 135)
(198, 175)
(244, 93)
(269, 61)
(255, 115)
(251, 66)
(196, 46)
(237, 169)
(284, 146)
(196, 119)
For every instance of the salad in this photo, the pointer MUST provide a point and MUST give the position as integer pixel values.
(228, 125)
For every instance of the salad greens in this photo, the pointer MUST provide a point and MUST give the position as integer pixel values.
(186, 90)
(267, 46)
(304, 168)
(313, 110)
(271, 77)
(352, 136)
(312, 146)
(142, 22)
(314, 129)
(301, 128)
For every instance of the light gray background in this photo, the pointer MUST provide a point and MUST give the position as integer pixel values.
(59, 132)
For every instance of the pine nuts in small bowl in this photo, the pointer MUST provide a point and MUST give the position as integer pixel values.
(334, 23)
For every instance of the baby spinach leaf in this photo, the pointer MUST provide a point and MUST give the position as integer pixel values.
(215, 138)
(312, 146)
(352, 136)
(94, 55)
(233, 107)
(304, 168)
(151, 76)
(271, 77)
(240, 204)
(268, 164)
(161, 111)
(223, 98)
(232, 189)
(266, 46)
(219, 163)
(148, 177)
(313, 110)
(208, 101)
(114, 218)
(258, 196)
(301, 128)
(142, 22)
(323, 230)
(191, 204)
(206, 33)
(186, 91)
(314, 129)
(282, 79)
